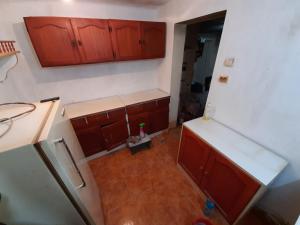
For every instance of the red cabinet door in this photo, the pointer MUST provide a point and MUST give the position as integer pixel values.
(91, 140)
(53, 40)
(159, 119)
(228, 186)
(153, 39)
(126, 39)
(193, 155)
(115, 134)
(93, 39)
(135, 121)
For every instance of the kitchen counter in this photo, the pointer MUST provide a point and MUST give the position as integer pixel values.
(143, 96)
(79, 109)
(253, 158)
(94, 106)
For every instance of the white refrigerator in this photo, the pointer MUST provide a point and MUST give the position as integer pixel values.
(44, 177)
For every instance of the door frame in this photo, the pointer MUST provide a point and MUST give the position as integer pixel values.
(177, 59)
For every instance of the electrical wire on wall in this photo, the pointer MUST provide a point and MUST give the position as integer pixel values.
(6, 73)
(8, 121)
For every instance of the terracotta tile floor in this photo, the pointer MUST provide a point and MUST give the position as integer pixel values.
(148, 188)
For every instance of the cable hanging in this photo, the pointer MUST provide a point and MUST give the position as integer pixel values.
(8, 121)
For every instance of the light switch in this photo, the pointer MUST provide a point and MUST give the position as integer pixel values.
(229, 62)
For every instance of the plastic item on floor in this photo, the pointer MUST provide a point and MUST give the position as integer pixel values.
(208, 207)
(202, 222)
(136, 143)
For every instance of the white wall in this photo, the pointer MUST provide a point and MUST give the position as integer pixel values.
(261, 98)
(29, 82)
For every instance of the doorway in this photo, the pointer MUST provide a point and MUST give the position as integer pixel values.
(200, 51)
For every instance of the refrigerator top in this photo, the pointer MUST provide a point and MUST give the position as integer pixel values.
(25, 130)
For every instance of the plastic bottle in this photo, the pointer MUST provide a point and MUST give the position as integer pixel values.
(208, 207)
(142, 133)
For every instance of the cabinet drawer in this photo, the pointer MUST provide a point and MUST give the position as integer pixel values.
(164, 102)
(105, 118)
(79, 123)
(117, 115)
(135, 109)
(97, 119)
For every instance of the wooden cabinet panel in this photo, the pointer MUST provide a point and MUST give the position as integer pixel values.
(105, 118)
(91, 140)
(79, 123)
(193, 155)
(115, 134)
(53, 40)
(136, 120)
(153, 39)
(126, 39)
(228, 186)
(159, 119)
(93, 39)
(135, 109)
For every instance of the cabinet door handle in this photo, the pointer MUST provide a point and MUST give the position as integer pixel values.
(86, 121)
(63, 142)
(205, 173)
(201, 168)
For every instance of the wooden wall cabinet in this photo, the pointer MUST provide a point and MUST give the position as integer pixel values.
(53, 40)
(155, 115)
(153, 39)
(60, 41)
(93, 40)
(219, 178)
(126, 39)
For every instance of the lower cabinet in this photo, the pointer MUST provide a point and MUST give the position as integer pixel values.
(115, 134)
(219, 178)
(154, 114)
(193, 155)
(136, 120)
(101, 131)
(91, 140)
(107, 130)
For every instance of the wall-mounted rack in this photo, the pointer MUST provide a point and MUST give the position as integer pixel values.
(7, 48)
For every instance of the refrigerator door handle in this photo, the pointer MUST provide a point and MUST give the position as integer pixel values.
(62, 141)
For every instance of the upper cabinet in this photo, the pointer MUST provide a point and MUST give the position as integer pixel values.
(93, 40)
(153, 39)
(53, 40)
(126, 39)
(60, 41)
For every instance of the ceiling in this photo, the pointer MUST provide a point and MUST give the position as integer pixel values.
(141, 2)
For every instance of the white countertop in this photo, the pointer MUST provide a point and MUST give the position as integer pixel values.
(26, 129)
(105, 104)
(143, 96)
(94, 106)
(253, 158)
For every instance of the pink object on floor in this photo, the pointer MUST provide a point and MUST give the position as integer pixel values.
(202, 222)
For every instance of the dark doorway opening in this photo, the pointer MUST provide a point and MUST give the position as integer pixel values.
(200, 52)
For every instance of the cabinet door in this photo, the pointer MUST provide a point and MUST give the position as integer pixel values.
(53, 40)
(153, 39)
(228, 186)
(136, 120)
(93, 39)
(126, 39)
(91, 140)
(193, 155)
(159, 119)
(115, 134)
